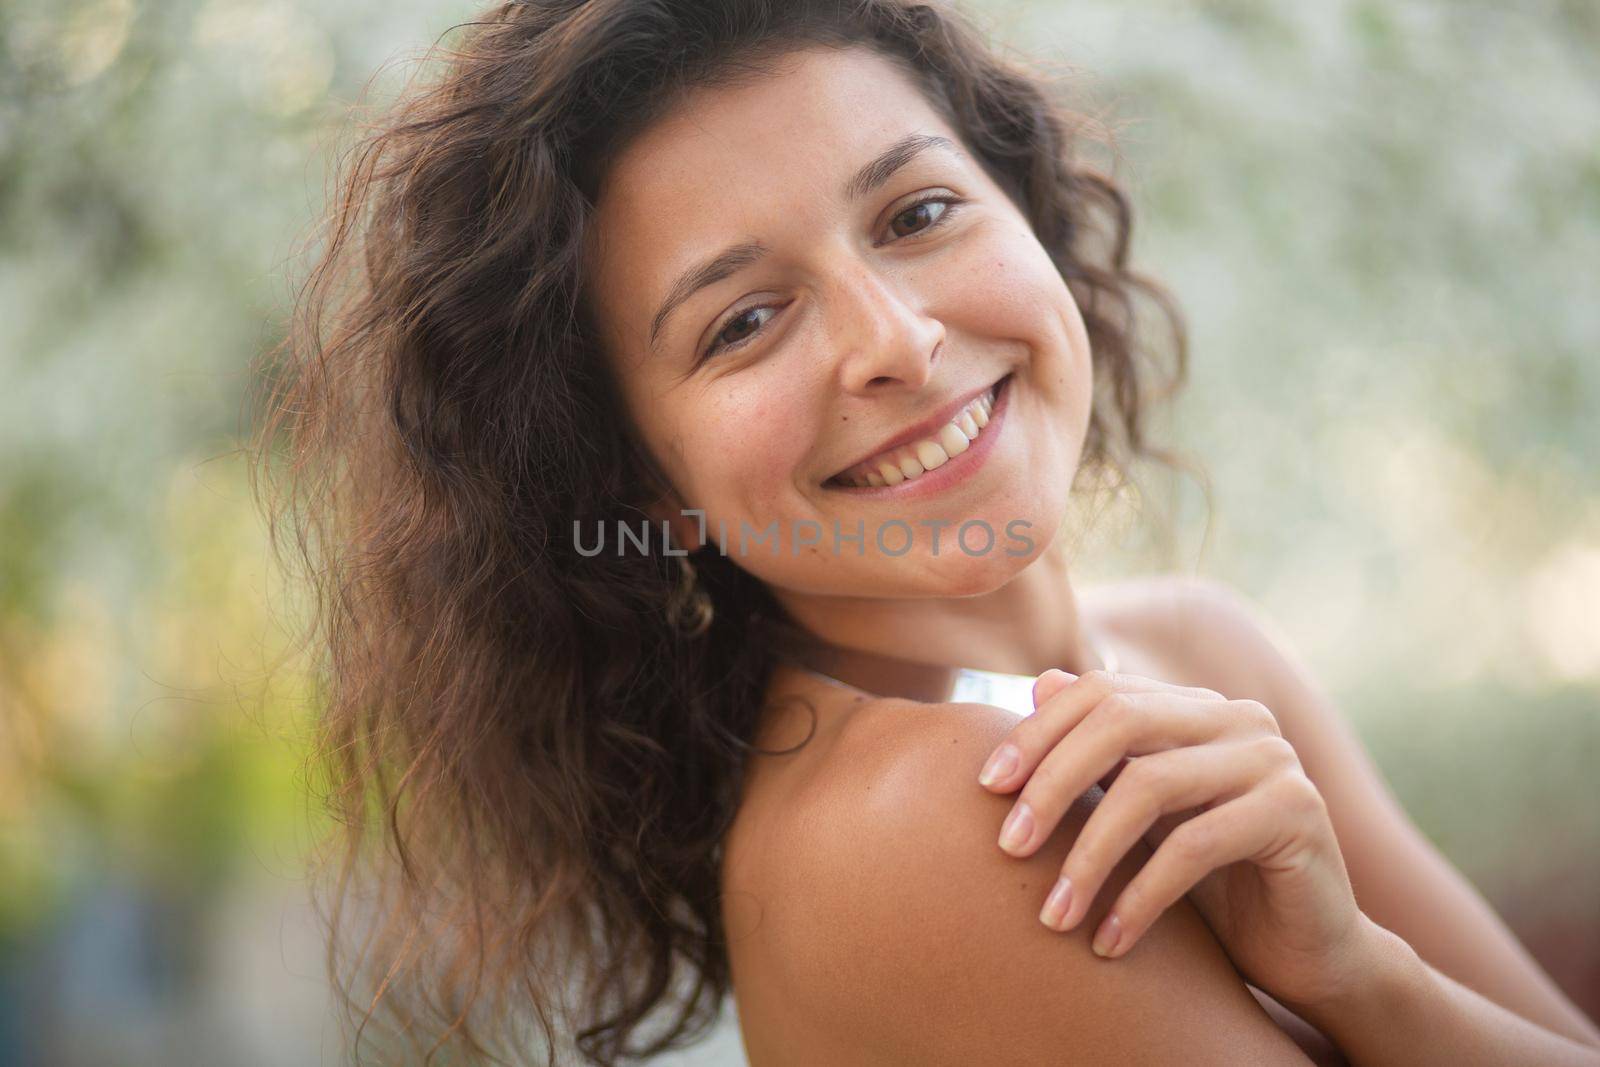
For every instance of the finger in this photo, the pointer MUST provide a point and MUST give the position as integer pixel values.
(1106, 780)
(1050, 683)
(1123, 724)
(1153, 786)
(1000, 770)
(1245, 828)
(1064, 706)
(1112, 681)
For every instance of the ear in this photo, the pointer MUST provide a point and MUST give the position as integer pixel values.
(685, 528)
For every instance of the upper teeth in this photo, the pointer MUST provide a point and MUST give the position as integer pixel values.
(913, 460)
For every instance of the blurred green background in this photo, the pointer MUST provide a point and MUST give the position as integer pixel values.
(1383, 223)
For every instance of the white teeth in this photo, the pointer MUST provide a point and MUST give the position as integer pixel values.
(953, 440)
(911, 461)
(930, 455)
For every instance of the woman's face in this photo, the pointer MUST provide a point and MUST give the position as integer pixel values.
(852, 297)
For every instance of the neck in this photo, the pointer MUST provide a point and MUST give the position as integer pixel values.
(1026, 626)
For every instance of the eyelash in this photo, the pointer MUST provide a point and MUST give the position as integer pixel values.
(952, 206)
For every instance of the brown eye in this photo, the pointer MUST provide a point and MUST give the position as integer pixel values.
(919, 213)
(722, 340)
(738, 334)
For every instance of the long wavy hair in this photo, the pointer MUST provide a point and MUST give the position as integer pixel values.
(531, 758)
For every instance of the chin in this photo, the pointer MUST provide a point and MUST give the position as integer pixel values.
(953, 573)
(983, 574)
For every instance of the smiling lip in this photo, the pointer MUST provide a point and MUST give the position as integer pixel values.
(926, 428)
(949, 474)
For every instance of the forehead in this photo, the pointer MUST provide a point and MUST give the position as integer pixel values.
(756, 160)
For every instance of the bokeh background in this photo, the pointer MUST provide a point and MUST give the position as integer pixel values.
(1383, 222)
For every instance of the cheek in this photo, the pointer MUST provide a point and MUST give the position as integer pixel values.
(1010, 291)
(1009, 288)
(742, 444)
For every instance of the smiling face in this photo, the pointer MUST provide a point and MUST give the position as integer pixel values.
(802, 283)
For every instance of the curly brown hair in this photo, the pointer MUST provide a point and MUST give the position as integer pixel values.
(532, 761)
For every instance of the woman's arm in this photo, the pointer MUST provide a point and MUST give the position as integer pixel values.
(1408, 1013)
(1400, 879)
(1318, 1046)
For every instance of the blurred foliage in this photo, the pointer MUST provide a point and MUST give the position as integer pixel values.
(159, 165)
(1383, 222)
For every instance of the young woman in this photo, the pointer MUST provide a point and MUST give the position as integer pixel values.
(806, 284)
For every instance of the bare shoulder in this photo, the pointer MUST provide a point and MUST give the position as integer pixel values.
(907, 936)
(1196, 630)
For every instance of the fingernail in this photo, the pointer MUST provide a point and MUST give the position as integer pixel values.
(1106, 938)
(1055, 905)
(1019, 824)
(1000, 765)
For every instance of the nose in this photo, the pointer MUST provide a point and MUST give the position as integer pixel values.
(884, 339)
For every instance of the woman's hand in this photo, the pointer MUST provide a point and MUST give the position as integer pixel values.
(1213, 787)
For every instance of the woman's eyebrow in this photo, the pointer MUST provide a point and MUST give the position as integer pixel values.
(736, 257)
(897, 155)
